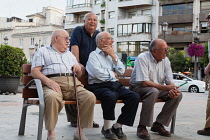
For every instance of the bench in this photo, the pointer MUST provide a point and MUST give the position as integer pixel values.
(32, 94)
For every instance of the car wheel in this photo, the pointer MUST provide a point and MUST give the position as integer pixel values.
(193, 89)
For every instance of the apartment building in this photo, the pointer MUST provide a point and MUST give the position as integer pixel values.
(184, 17)
(132, 23)
(32, 33)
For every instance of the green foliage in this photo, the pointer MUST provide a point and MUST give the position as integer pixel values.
(205, 59)
(103, 5)
(102, 21)
(179, 62)
(11, 60)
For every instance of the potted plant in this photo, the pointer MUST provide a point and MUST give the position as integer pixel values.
(11, 61)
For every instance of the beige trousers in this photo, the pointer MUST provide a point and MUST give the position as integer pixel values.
(208, 113)
(54, 102)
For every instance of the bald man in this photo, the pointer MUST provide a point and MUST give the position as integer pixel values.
(152, 79)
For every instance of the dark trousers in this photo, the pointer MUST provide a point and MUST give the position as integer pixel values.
(109, 93)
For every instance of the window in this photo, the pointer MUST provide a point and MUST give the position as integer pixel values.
(131, 14)
(102, 29)
(20, 41)
(132, 48)
(205, 7)
(97, 1)
(32, 41)
(111, 31)
(178, 9)
(128, 29)
(30, 20)
(111, 14)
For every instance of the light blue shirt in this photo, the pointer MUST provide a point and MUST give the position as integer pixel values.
(53, 61)
(101, 68)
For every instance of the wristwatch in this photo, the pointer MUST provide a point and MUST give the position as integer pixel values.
(116, 60)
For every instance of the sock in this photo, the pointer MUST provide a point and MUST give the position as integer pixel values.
(107, 124)
(117, 125)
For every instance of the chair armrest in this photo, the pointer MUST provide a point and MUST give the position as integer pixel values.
(39, 90)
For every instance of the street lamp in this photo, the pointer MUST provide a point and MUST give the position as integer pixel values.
(164, 28)
(6, 40)
(38, 45)
(195, 36)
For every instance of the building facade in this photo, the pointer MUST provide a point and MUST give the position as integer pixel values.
(132, 23)
(33, 33)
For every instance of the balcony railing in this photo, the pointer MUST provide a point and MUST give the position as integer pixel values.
(82, 5)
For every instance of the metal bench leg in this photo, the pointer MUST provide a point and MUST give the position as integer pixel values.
(23, 119)
(173, 124)
(40, 125)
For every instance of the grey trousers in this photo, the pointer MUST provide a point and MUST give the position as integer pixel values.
(149, 95)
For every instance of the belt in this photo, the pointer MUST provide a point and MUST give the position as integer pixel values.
(59, 74)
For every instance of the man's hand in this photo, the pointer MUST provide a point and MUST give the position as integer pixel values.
(77, 69)
(171, 87)
(174, 93)
(116, 75)
(54, 86)
(109, 50)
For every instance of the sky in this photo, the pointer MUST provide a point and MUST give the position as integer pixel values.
(22, 8)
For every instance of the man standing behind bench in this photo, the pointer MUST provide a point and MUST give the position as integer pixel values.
(53, 66)
(152, 79)
(103, 68)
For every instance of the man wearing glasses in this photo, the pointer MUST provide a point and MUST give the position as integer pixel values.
(152, 79)
(103, 68)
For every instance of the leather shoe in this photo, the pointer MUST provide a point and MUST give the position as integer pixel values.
(119, 133)
(157, 127)
(108, 134)
(205, 132)
(142, 132)
(74, 124)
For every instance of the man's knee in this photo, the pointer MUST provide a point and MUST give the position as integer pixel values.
(91, 97)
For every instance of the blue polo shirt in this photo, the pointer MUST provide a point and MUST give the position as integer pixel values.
(84, 41)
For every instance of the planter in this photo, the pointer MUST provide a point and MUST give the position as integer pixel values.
(9, 84)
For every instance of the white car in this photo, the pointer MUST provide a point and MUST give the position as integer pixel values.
(188, 84)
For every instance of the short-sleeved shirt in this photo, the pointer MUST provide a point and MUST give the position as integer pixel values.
(148, 69)
(84, 41)
(53, 61)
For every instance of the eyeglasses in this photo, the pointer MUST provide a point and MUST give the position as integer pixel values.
(109, 38)
(163, 50)
(66, 38)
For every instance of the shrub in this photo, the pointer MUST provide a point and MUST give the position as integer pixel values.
(11, 60)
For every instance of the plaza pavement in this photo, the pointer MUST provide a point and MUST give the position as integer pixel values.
(190, 118)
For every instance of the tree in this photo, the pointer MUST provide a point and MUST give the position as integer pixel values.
(205, 58)
(179, 62)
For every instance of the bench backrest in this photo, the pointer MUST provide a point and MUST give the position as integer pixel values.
(32, 93)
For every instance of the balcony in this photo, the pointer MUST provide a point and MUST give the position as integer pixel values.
(178, 38)
(135, 37)
(135, 19)
(168, 2)
(185, 18)
(203, 16)
(129, 4)
(204, 37)
(72, 25)
(79, 8)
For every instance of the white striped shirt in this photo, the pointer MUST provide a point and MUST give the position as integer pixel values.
(148, 69)
(53, 61)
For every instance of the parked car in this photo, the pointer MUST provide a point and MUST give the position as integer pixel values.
(188, 84)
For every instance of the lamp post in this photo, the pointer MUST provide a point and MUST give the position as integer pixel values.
(164, 28)
(195, 40)
(6, 40)
(38, 45)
